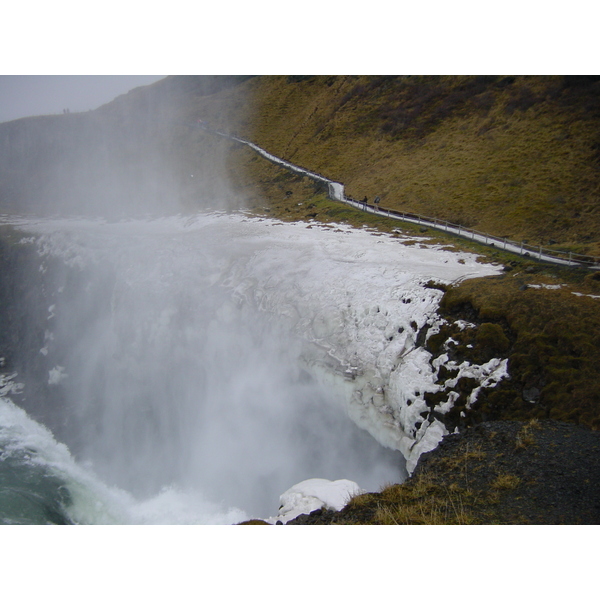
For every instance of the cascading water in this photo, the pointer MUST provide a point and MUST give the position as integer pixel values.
(175, 393)
(193, 369)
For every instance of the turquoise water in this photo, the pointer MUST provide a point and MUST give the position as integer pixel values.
(29, 493)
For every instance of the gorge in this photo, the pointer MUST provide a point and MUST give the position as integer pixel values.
(188, 331)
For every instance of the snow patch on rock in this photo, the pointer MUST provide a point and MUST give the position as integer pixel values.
(313, 494)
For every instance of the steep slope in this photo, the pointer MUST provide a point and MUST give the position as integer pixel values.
(513, 156)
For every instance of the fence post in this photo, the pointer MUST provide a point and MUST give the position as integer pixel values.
(521, 251)
(540, 254)
(504, 244)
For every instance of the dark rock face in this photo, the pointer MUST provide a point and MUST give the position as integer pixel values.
(558, 465)
(544, 472)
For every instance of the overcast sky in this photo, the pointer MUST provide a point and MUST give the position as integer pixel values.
(402, 38)
(28, 95)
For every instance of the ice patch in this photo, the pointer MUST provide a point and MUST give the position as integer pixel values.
(8, 386)
(313, 494)
(545, 286)
(432, 434)
(358, 303)
(463, 324)
(56, 375)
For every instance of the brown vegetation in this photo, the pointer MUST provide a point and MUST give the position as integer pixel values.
(484, 476)
(517, 157)
(512, 156)
(553, 344)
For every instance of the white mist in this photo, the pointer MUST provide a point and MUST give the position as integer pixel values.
(182, 377)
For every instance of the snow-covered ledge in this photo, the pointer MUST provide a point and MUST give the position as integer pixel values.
(362, 310)
(313, 494)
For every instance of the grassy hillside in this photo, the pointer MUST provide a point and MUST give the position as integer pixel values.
(514, 156)
(549, 334)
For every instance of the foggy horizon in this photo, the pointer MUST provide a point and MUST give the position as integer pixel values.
(34, 95)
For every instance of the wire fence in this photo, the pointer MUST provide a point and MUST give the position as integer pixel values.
(335, 191)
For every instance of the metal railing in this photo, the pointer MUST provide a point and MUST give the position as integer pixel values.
(558, 257)
(335, 191)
